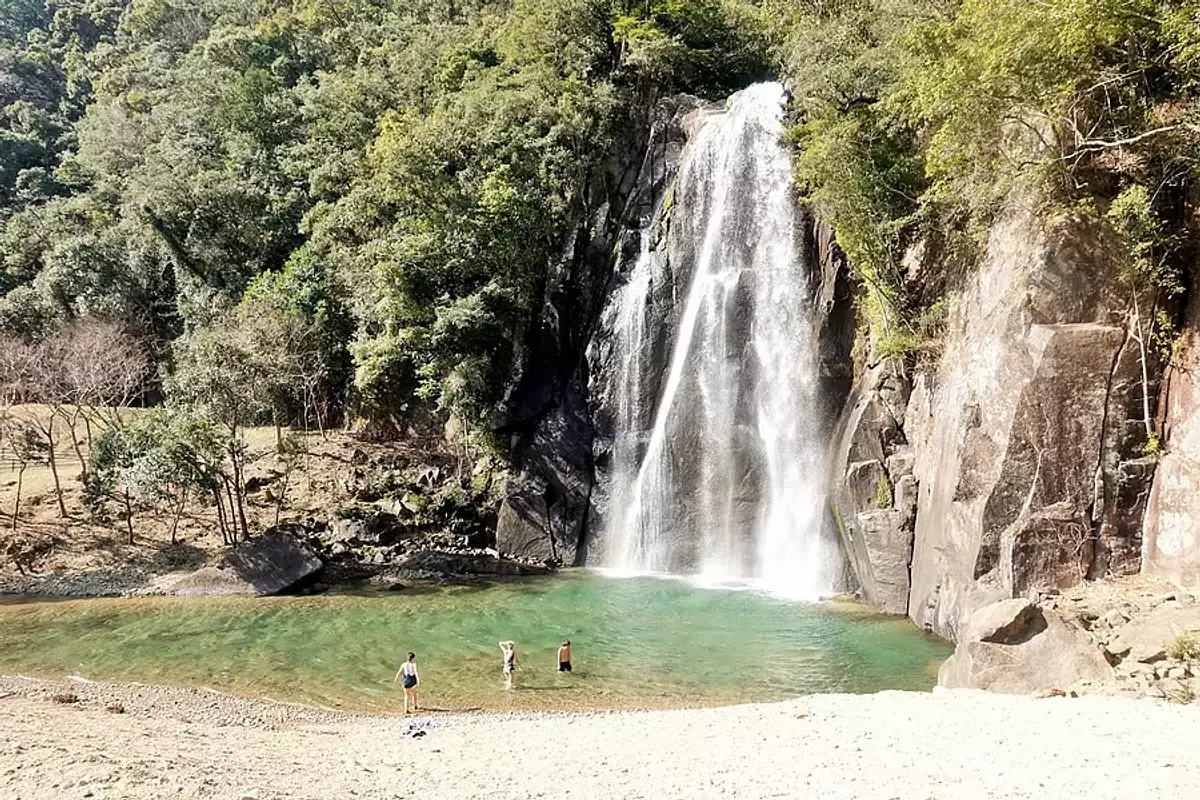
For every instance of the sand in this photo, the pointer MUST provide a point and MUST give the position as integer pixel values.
(961, 744)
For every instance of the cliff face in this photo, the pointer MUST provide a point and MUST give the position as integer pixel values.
(1171, 547)
(549, 499)
(1015, 463)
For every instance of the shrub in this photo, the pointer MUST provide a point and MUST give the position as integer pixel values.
(1185, 646)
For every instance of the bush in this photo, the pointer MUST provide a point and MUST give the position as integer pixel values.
(1185, 646)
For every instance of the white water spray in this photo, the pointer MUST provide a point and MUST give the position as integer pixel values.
(728, 480)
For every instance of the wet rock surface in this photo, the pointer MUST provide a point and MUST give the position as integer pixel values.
(551, 499)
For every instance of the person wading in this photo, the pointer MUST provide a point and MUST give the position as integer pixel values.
(509, 651)
(408, 670)
(564, 656)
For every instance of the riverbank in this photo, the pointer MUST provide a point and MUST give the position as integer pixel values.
(197, 744)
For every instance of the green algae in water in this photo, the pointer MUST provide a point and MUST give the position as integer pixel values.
(637, 642)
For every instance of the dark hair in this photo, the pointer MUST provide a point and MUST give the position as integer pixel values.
(411, 656)
(567, 643)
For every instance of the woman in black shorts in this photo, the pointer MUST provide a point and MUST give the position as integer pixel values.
(408, 670)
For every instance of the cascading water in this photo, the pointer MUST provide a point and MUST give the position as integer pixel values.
(717, 460)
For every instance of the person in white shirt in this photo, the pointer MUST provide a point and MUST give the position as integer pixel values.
(411, 680)
(509, 650)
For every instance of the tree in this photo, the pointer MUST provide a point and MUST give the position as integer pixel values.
(27, 448)
(159, 460)
(220, 380)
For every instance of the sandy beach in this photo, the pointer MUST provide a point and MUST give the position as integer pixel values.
(130, 741)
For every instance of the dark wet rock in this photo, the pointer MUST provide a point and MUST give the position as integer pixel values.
(552, 411)
(452, 564)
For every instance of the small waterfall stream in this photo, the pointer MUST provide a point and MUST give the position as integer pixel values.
(717, 461)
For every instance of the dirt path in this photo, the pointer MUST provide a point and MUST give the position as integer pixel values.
(194, 744)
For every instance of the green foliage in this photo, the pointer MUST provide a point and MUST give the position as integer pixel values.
(883, 491)
(1185, 646)
(915, 118)
(381, 187)
(154, 461)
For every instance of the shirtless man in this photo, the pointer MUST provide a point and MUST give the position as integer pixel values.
(564, 657)
(509, 651)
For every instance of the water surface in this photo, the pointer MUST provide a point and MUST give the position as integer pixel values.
(638, 642)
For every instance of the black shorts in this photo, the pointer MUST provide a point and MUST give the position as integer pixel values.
(564, 666)
(410, 682)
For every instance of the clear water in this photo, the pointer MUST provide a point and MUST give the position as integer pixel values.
(639, 642)
(729, 479)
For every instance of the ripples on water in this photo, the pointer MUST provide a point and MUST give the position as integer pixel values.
(637, 641)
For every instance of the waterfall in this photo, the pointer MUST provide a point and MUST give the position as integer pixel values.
(717, 459)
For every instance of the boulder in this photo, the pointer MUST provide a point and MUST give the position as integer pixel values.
(1146, 638)
(1018, 647)
(275, 562)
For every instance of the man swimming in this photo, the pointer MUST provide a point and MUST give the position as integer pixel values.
(564, 656)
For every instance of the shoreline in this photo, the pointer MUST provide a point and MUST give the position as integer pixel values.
(136, 742)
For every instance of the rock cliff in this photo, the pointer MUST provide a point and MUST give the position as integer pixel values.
(1171, 546)
(549, 499)
(1016, 461)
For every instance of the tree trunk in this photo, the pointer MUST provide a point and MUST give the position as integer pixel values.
(129, 516)
(17, 504)
(58, 492)
(233, 522)
(71, 422)
(221, 515)
(178, 513)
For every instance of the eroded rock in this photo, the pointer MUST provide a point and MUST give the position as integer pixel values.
(1019, 648)
(1029, 474)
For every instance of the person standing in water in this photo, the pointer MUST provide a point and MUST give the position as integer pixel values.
(509, 650)
(408, 670)
(564, 656)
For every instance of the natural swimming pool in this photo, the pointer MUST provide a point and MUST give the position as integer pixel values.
(637, 642)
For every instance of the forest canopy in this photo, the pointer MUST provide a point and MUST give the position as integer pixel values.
(358, 199)
(348, 208)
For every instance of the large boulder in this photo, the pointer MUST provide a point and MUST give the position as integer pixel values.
(275, 562)
(1016, 647)
(1030, 470)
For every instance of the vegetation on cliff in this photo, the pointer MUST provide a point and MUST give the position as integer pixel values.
(916, 120)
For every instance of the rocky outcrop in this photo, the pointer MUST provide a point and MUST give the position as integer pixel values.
(1017, 647)
(1171, 547)
(275, 562)
(874, 492)
(1027, 447)
(549, 500)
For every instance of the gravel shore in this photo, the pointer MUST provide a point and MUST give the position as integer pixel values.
(129, 741)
